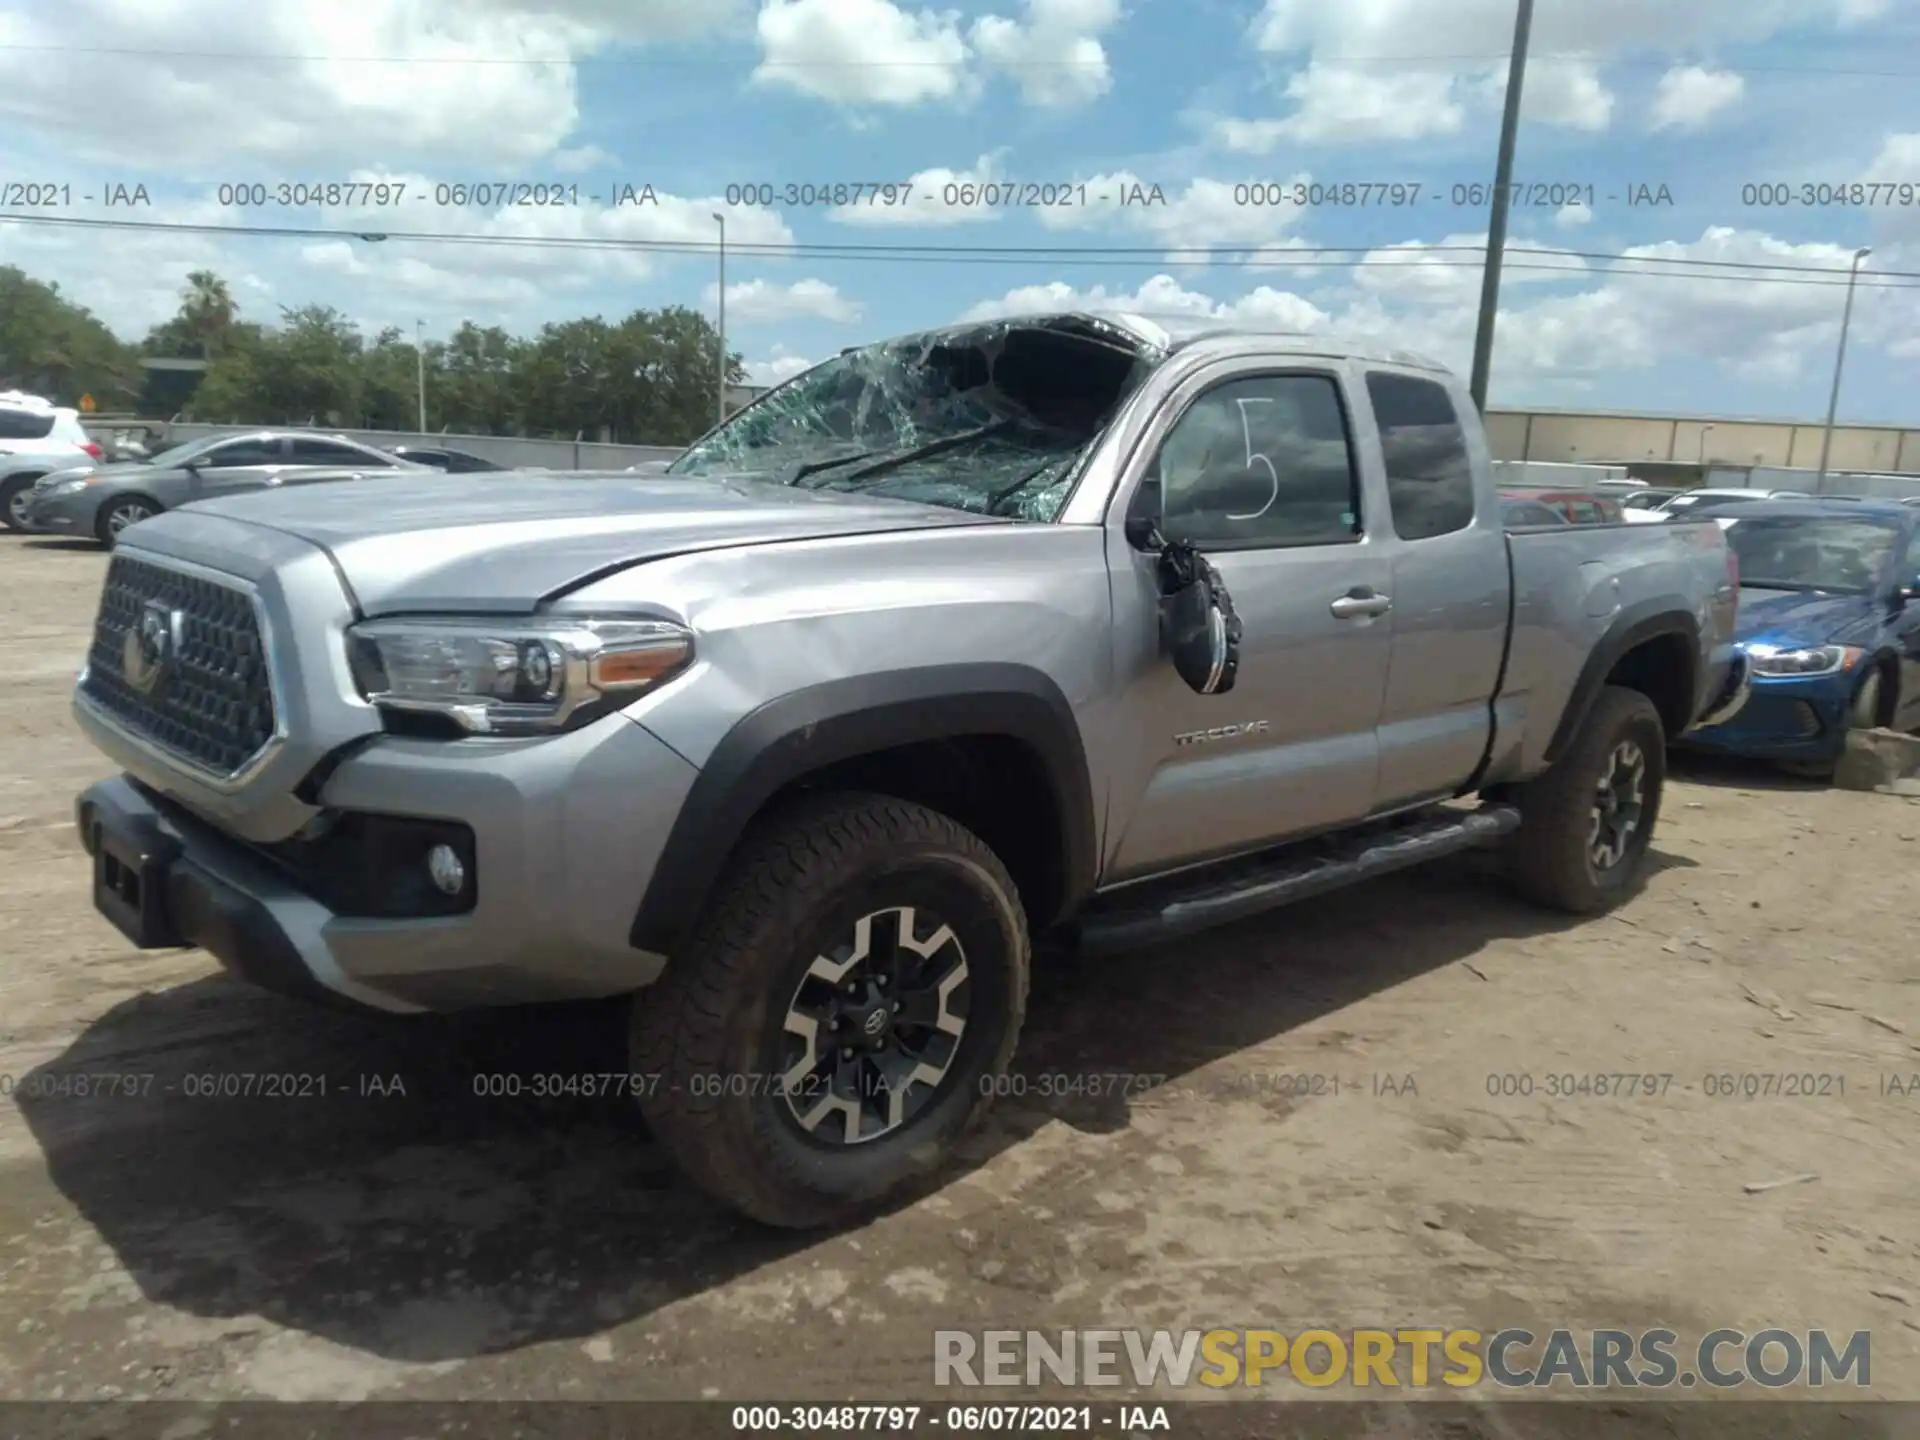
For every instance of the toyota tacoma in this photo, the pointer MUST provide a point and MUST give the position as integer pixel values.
(1088, 629)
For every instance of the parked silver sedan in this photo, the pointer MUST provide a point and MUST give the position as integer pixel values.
(100, 502)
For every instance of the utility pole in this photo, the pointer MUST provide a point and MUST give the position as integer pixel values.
(720, 400)
(1839, 363)
(1497, 223)
(420, 370)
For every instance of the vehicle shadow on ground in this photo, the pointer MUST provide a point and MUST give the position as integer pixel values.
(384, 1194)
(1734, 772)
(43, 542)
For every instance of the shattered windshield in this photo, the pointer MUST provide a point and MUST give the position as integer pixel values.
(993, 419)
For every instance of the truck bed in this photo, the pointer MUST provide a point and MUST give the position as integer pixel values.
(1573, 586)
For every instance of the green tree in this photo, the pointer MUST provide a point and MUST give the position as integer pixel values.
(472, 382)
(305, 371)
(53, 347)
(203, 327)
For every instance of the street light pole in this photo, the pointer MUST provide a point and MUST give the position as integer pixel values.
(1839, 363)
(720, 399)
(420, 370)
(1497, 223)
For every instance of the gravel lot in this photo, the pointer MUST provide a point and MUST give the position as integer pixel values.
(157, 1243)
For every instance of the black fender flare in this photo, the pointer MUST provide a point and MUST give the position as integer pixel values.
(805, 731)
(1631, 628)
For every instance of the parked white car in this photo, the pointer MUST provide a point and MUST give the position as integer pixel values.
(37, 437)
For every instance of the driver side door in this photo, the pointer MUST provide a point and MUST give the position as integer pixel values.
(1255, 461)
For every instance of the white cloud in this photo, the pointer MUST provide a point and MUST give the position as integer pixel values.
(1564, 93)
(876, 52)
(862, 51)
(1055, 53)
(779, 366)
(1689, 96)
(1209, 215)
(761, 302)
(1342, 105)
(1161, 296)
(1383, 70)
(313, 97)
(935, 197)
(1897, 164)
(132, 279)
(1574, 215)
(1448, 271)
(1556, 343)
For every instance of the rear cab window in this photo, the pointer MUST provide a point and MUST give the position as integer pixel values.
(1430, 488)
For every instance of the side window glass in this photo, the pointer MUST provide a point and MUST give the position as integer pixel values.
(1429, 473)
(244, 452)
(1259, 463)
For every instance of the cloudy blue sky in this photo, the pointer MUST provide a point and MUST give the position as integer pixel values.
(1199, 107)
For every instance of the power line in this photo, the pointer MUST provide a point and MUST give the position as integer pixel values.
(1273, 255)
(680, 61)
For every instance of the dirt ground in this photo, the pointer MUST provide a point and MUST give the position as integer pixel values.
(158, 1243)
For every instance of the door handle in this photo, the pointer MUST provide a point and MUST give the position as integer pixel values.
(1360, 602)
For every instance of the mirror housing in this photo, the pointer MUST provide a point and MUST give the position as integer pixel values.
(1199, 630)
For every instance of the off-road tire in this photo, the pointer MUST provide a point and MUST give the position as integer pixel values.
(1548, 857)
(799, 874)
(11, 489)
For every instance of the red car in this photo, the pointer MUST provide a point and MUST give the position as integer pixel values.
(1582, 507)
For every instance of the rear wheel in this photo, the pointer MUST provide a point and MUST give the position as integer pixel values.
(838, 1019)
(1587, 823)
(117, 515)
(13, 501)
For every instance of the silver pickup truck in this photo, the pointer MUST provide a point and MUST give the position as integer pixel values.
(1089, 629)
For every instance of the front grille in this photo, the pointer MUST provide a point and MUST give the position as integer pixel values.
(209, 701)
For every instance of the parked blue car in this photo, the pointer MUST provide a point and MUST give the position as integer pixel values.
(1830, 622)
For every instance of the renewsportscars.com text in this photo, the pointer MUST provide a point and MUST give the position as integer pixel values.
(1408, 1357)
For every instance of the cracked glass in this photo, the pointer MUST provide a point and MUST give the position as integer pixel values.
(994, 418)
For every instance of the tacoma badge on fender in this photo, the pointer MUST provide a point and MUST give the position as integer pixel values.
(1222, 732)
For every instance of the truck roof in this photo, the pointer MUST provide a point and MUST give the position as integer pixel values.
(1169, 333)
(1177, 332)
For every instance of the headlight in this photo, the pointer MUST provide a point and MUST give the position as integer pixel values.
(1808, 660)
(70, 487)
(510, 676)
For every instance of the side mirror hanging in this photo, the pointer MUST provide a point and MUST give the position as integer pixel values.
(1199, 629)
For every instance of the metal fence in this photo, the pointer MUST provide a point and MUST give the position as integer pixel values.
(511, 450)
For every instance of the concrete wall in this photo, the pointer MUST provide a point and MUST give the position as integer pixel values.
(1598, 438)
(1559, 436)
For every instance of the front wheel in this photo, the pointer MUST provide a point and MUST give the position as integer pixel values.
(841, 1014)
(1586, 825)
(117, 515)
(1864, 713)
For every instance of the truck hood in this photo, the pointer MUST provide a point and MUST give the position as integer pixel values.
(503, 545)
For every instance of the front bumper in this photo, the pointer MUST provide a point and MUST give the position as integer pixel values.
(1788, 717)
(75, 514)
(566, 832)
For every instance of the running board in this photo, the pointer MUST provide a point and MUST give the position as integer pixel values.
(1220, 896)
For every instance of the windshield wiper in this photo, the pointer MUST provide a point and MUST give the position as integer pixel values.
(932, 447)
(794, 473)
